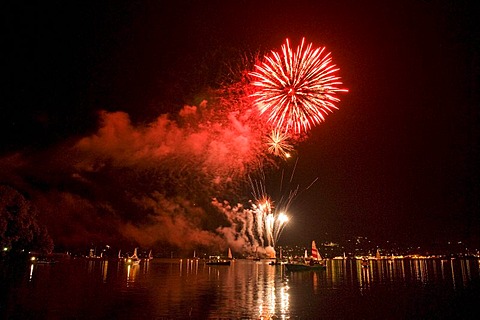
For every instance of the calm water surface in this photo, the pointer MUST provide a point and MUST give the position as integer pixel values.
(189, 289)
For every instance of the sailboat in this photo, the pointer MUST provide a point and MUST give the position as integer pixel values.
(134, 259)
(120, 258)
(314, 263)
(195, 256)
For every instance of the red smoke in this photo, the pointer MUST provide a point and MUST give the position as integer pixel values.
(142, 182)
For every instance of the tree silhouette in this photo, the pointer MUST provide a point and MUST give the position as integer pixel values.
(19, 228)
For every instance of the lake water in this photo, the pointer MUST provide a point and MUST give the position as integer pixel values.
(190, 289)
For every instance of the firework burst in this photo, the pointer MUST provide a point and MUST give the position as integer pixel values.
(296, 89)
(278, 144)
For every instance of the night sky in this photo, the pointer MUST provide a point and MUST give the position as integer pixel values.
(397, 161)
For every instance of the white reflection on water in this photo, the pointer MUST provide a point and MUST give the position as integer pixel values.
(271, 291)
(363, 274)
(266, 293)
(146, 266)
(420, 270)
(453, 272)
(31, 272)
(192, 266)
(284, 301)
(104, 270)
(132, 272)
(465, 267)
(253, 290)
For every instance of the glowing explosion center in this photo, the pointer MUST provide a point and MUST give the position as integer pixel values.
(296, 89)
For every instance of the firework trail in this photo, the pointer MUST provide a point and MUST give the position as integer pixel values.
(296, 89)
(258, 226)
(273, 215)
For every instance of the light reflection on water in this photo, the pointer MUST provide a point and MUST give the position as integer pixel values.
(190, 289)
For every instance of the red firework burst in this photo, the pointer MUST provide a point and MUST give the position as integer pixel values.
(296, 89)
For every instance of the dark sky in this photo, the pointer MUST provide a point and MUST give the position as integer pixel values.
(397, 161)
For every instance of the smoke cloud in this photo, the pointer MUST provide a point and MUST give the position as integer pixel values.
(145, 183)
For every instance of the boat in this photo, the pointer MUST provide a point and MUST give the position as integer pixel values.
(120, 258)
(42, 260)
(344, 257)
(195, 256)
(315, 262)
(93, 255)
(134, 260)
(217, 261)
(304, 266)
